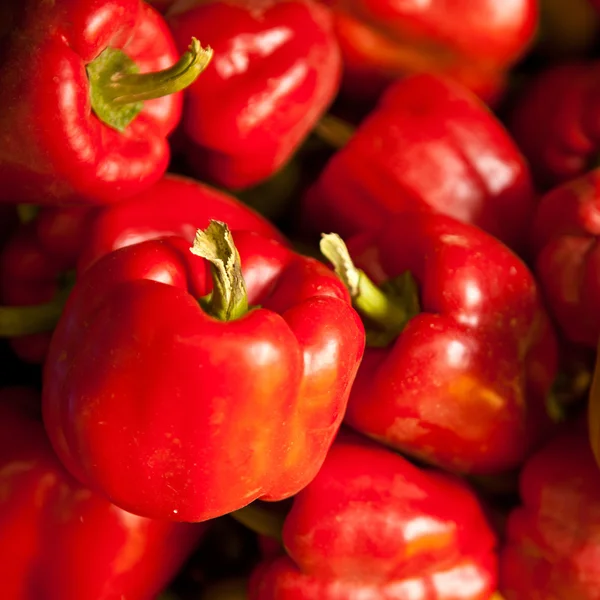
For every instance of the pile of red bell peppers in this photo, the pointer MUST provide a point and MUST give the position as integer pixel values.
(299, 300)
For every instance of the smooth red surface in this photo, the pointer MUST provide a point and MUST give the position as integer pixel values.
(555, 122)
(59, 540)
(372, 525)
(275, 70)
(472, 41)
(567, 265)
(465, 384)
(60, 239)
(553, 539)
(54, 149)
(430, 145)
(176, 415)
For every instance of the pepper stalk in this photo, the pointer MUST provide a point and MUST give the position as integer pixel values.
(386, 309)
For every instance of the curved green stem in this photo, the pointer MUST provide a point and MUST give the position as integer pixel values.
(261, 520)
(386, 310)
(118, 90)
(229, 299)
(125, 88)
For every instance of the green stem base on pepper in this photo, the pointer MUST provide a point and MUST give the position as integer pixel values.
(386, 309)
(118, 89)
(228, 300)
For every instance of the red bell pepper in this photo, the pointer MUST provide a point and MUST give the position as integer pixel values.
(87, 97)
(429, 145)
(464, 382)
(555, 122)
(473, 42)
(276, 70)
(567, 259)
(59, 540)
(372, 525)
(178, 413)
(553, 539)
(37, 258)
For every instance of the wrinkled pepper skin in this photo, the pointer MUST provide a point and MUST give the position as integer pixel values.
(54, 149)
(553, 538)
(144, 401)
(373, 525)
(59, 540)
(567, 256)
(465, 384)
(472, 42)
(429, 145)
(61, 239)
(555, 122)
(275, 71)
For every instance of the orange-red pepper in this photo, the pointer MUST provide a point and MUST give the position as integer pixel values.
(61, 541)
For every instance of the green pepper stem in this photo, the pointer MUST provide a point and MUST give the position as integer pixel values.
(126, 88)
(334, 131)
(25, 320)
(229, 299)
(261, 520)
(369, 300)
(118, 89)
(387, 312)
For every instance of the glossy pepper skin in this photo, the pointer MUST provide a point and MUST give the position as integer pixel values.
(54, 148)
(40, 253)
(275, 71)
(567, 257)
(429, 145)
(465, 383)
(59, 540)
(555, 122)
(177, 415)
(372, 525)
(553, 537)
(472, 42)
